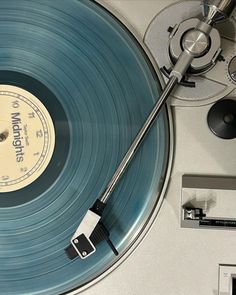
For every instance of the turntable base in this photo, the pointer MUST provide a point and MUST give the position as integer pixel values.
(89, 84)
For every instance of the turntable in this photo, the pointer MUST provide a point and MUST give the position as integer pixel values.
(117, 147)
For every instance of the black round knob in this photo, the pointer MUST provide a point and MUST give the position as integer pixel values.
(222, 119)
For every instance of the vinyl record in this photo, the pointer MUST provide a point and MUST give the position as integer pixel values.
(88, 86)
(222, 119)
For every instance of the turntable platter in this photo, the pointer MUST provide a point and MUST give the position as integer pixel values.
(98, 86)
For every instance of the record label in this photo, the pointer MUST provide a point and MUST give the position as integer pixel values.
(27, 138)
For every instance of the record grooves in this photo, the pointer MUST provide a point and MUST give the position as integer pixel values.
(98, 87)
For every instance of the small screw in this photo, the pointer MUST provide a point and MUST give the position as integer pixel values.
(76, 241)
(84, 253)
(170, 30)
(221, 58)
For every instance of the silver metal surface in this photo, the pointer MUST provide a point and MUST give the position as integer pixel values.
(217, 10)
(195, 42)
(181, 30)
(207, 54)
(138, 140)
(226, 6)
(182, 65)
(209, 87)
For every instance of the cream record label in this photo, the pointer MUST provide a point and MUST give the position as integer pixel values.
(27, 138)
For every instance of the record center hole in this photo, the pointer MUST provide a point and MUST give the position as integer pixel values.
(4, 135)
(229, 118)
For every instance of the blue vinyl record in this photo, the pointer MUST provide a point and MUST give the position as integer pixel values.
(98, 87)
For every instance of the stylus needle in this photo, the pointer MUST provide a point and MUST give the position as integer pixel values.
(91, 231)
